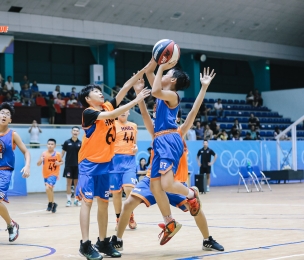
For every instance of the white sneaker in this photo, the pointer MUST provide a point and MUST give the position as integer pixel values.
(77, 203)
(13, 231)
(68, 204)
(208, 189)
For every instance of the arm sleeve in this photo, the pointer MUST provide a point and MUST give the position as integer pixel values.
(64, 146)
(114, 103)
(212, 152)
(198, 153)
(89, 117)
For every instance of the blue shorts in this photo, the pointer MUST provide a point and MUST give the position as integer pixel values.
(93, 181)
(5, 179)
(50, 181)
(168, 149)
(142, 191)
(124, 172)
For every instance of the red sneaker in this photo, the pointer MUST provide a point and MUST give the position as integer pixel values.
(194, 203)
(168, 231)
(132, 222)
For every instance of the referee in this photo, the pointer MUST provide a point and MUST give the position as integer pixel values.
(205, 161)
(71, 147)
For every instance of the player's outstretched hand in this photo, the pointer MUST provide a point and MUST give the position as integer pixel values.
(25, 172)
(143, 94)
(167, 66)
(139, 86)
(207, 78)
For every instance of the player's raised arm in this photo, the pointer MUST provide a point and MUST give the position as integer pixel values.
(205, 81)
(149, 71)
(26, 169)
(138, 87)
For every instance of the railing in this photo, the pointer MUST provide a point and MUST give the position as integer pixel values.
(293, 128)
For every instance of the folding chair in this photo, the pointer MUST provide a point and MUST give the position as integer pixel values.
(245, 176)
(260, 176)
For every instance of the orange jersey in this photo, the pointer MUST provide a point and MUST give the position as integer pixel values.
(99, 138)
(49, 166)
(125, 137)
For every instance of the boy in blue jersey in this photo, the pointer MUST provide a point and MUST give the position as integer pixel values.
(8, 141)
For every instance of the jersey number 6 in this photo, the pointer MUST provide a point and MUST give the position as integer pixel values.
(111, 136)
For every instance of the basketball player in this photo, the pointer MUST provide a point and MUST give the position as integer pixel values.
(94, 160)
(123, 177)
(142, 193)
(8, 141)
(51, 161)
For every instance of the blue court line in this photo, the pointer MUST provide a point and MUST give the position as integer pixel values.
(238, 251)
(52, 250)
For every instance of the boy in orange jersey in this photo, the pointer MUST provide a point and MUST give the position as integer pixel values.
(9, 139)
(123, 177)
(95, 158)
(142, 193)
(51, 161)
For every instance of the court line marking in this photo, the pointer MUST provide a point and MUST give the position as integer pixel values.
(29, 212)
(238, 251)
(52, 250)
(283, 257)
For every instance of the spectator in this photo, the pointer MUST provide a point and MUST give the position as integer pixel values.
(237, 124)
(74, 92)
(277, 131)
(248, 136)
(253, 133)
(51, 109)
(9, 84)
(191, 134)
(217, 133)
(131, 94)
(34, 131)
(204, 113)
(258, 101)
(250, 98)
(232, 132)
(224, 136)
(149, 159)
(199, 131)
(208, 134)
(236, 136)
(56, 91)
(150, 101)
(116, 89)
(141, 168)
(59, 101)
(8, 98)
(218, 108)
(24, 81)
(1, 80)
(72, 102)
(16, 96)
(35, 89)
(4, 90)
(253, 121)
(213, 124)
(27, 96)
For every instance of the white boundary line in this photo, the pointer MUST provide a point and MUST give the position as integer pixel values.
(284, 257)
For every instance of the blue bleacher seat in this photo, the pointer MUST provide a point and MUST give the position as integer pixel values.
(229, 126)
(191, 99)
(68, 94)
(206, 100)
(258, 114)
(62, 94)
(230, 101)
(211, 100)
(236, 101)
(233, 113)
(242, 102)
(188, 106)
(50, 93)
(184, 99)
(224, 101)
(243, 120)
(262, 133)
(223, 126)
(246, 114)
(227, 113)
(43, 93)
(269, 133)
(231, 119)
(243, 133)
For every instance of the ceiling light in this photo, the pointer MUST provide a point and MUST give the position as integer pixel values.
(177, 15)
(15, 9)
(82, 3)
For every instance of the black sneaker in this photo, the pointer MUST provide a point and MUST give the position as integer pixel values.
(106, 247)
(13, 231)
(87, 250)
(212, 245)
(118, 245)
(54, 207)
(49, 207)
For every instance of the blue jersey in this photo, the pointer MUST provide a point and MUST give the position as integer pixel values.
(7, 147)
(165, 117)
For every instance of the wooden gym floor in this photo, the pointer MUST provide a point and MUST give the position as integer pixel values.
(258, 225)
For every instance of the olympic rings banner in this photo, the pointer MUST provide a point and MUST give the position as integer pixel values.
(232, 154)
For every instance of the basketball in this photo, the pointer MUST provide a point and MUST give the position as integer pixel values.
(165, 51)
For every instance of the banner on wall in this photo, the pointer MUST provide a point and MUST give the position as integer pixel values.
(6, 44)
(18, 184)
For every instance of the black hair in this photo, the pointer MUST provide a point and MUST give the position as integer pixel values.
(248, 133)
(58, 94)
(7, 106)
(182, 79)
(150, 148)
(85, 93)
(206, 140)
(9, 77)
(141, 159)
(52, 140)
(75, 127)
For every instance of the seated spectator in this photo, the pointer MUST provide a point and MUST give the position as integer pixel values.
(199, 130)
(191, 134)
(74, 92)
(35, 89)
(213, 124)
(250, 98)
(24, 81)
(203, 111)
(217, 133)
(4, 90)
(253, 133)
(131, 94)
(142, 166)
(208, 133)
(232, 132)
(116, 89)
(248, 136)
(51, 109)
(277, 131)
(8, 97)
(27, 96)
(56, 91)
(258, 101)
(236, 136)
(237, 124)
(16, 96)
(253, 121)
(218, 108)
(59, 101)
(9, 84)
(72, 102)
(224, 136)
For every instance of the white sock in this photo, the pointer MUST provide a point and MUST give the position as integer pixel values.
(119, 239)
(167, 219)
(69, 197)
(190, 194)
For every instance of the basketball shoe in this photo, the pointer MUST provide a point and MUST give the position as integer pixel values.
(118, 245)
(54, 207)
(68, 204)
(13, 231)
(49, 207)
(168, 231)
(212, 245)
(194, 203)
(87, 250)
(106, 247)
(132, 222)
